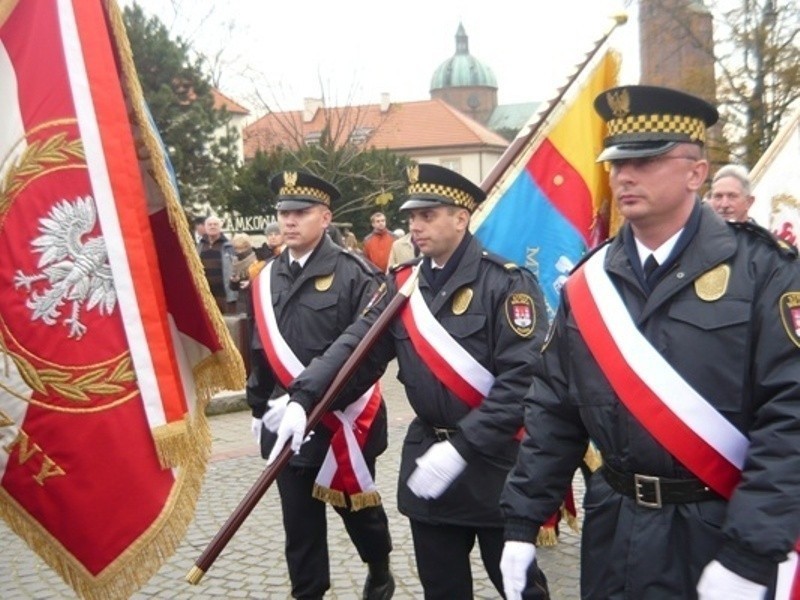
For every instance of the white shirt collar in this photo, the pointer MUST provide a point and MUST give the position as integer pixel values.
(661, 253)
(302, 260)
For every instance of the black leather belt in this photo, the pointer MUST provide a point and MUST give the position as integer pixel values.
(654, 492)
(443, 434)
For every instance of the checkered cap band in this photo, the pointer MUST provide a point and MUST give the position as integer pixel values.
(458, 197)
(672, 126)
(308, 192)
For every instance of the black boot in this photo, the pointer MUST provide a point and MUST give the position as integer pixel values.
(380, 581)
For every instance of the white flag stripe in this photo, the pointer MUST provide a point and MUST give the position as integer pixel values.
(109, 220)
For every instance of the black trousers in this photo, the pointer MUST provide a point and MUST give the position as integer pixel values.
(306, 527)
(442, 554)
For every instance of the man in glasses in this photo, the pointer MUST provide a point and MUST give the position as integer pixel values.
(676, 350)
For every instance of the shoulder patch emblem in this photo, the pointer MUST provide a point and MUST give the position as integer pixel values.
(789, 306)
(461, 300)
(323, 283)
(521, 314)
(713, 284)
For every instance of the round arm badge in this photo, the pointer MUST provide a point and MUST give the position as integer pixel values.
(521, 314)
(790, 315)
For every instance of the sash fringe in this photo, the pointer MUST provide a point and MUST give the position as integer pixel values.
(547, 536)
(332, 497)
(339, 499)
(593, 458)
(571, 519)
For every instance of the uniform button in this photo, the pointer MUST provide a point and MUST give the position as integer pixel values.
(680, 274)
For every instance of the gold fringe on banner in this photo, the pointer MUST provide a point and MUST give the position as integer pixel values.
(184, 445)
(224, 369)
(138, 563)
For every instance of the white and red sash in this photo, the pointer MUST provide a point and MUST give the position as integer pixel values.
(673, 412)
(344, 471)
(458, 371)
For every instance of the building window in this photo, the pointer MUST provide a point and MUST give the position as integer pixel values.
(313, 138)
(359, 135)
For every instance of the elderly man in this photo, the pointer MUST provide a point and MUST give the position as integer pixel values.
(730, 194)
(218, 255)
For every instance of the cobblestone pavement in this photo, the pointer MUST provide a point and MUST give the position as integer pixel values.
(252, 565)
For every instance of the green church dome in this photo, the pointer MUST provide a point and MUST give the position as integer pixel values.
(462, 69)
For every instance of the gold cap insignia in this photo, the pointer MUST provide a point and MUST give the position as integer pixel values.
(521, 314)
(323, 283)
(461, 300)
(413, 173)
(619, 102)
(290, 179)
(713, 284)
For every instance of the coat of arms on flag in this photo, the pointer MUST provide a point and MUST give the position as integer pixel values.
(110, 344)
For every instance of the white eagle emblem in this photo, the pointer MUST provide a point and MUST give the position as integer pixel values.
(76, 270)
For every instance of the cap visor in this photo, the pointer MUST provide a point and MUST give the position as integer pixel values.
(295, 204)
(420, 203)
(635, 150)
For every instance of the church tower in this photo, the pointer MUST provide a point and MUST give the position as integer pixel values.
(677, 46)
(465, 83)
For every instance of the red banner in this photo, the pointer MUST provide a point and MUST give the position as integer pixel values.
(105, 367)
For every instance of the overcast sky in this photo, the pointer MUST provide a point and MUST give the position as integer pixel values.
(354, 50)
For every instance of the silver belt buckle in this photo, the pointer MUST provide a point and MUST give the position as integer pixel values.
(639, 481)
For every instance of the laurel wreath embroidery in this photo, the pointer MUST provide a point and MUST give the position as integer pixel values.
(38, 158)
(98, 382)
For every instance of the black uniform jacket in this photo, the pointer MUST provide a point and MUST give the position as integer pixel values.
(505, 344)
(329, 294)
(741, 352)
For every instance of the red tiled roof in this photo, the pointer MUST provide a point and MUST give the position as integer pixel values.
(222, 101)
(405, 126)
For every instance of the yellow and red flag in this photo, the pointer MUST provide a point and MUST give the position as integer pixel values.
(110, 343)
(548, 201)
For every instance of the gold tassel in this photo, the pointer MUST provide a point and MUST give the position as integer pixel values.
(364, 500)
(593, 458)
(571, 519)
(332, 497)
(546, 536)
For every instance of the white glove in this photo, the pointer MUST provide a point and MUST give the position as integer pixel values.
(436, 470)
(514, 564)
(719, 583)
(255, 428)
(292, 425)
(273, 417)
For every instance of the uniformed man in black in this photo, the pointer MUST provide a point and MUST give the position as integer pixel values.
(457, 451)
(316, 290)
(698, 495)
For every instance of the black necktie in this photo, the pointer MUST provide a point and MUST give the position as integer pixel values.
(294, 269)
(650, 266)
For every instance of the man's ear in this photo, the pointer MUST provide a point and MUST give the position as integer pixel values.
(697, 175)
